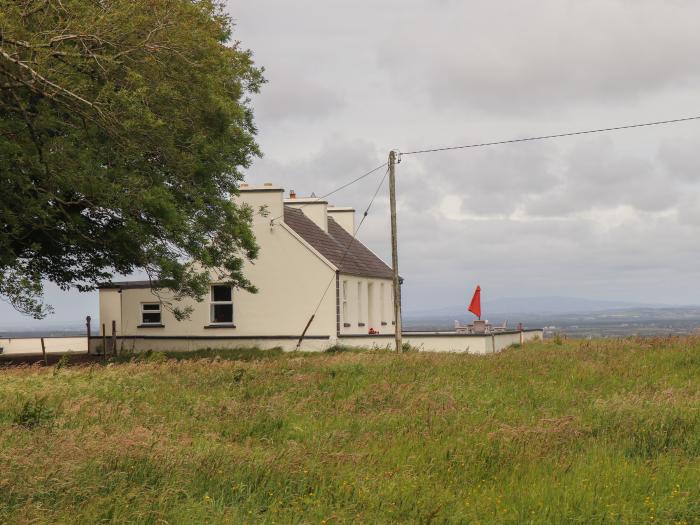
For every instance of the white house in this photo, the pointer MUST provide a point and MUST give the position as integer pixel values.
(306, 249)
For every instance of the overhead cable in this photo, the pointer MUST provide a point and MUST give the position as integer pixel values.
(553, 136)
(357, 179)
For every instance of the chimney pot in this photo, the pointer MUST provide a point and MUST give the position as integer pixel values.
(267, 184)
(292, 194)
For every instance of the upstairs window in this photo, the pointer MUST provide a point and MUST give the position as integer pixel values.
(221, 304)
(150, 313)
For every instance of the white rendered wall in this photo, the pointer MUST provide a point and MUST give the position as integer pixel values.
(431, 342)
(110, 310)
(136, 345)
(381, 301)
(290, 279)
(32, 345)
(425, 342)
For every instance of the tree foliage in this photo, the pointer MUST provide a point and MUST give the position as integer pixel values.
(124, 127)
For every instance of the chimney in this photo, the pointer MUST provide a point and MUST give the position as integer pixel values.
(267, 196)
(313, 207)
(344, 216)
(292, 194)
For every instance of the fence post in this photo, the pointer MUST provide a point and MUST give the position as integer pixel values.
(43, 351)
(114, 337)
(522, 337)
(104, 341)
(89, 332)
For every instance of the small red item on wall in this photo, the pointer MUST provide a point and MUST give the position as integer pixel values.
(475, 305)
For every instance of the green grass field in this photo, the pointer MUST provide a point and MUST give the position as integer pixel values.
(577, 432)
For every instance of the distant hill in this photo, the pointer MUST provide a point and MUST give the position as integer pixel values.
(530, 305)
(572, 316)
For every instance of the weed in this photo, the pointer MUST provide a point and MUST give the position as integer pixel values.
(62, 362)
(33, 413)
(406, 347)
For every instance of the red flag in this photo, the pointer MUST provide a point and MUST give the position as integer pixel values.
(475, 305)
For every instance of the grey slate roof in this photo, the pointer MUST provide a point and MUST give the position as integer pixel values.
(333, 245)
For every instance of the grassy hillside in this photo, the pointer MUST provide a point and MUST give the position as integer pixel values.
(579, 432)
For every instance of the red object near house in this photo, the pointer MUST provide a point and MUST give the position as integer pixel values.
(475, 305)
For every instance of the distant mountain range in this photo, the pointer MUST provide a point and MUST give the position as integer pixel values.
(573, 316)
(530, 306)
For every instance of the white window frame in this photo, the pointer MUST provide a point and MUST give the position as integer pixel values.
(382, 304)
(360, 306)
(159, 312)
(213, 303)
(345, 302)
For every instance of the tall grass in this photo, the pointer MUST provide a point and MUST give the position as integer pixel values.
(577, 432)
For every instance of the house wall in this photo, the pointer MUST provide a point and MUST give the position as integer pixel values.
(369, 304)
(290, 279)
(136, 344)
(110, 310)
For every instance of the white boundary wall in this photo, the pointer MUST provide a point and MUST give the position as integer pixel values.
(448, 341)
(21, 346)
(423, 341)
(187, 344)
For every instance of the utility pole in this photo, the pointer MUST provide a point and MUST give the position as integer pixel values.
(394, 250)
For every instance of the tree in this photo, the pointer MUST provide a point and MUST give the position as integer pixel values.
(124, 127)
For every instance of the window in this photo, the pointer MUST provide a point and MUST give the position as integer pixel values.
(370, 304)
(360, 317)
(150, 313)
(345, 301)
(221, 304)
(382, 312)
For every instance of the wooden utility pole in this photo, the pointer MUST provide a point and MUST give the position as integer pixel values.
(104, 341)
(394, 250)
(89, 332)
(114, 337)
(43, 351)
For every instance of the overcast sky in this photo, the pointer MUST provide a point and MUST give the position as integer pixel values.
(613, 216)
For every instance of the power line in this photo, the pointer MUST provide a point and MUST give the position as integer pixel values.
(554, 136)
(342, 258)
(373, 170)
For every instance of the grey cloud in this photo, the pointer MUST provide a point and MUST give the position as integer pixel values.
(614, 216)
(682, 158)
(289, 97)
(596, 175)
(336, 162)
(543, 55)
